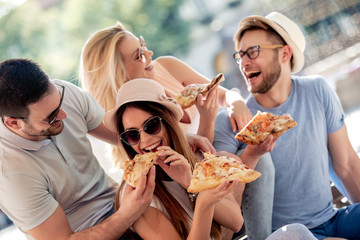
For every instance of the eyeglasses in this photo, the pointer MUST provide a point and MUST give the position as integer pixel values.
(132, 137)
(53, 115)
(252, 52)
(141, 54)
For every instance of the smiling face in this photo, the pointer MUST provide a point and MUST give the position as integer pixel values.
(263, 72)
(129, 49)
(33, 128)
(134, 118)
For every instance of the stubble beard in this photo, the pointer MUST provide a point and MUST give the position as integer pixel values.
(47, 132)
(269, 79)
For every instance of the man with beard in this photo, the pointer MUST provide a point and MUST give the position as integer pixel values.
(268, 50)
(51, 184)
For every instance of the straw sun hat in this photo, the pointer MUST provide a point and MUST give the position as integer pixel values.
(287, 29)
(139, 90)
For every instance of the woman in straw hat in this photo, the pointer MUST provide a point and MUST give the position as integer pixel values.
(147, 120)
(113, 56)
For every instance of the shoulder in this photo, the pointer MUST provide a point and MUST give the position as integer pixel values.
(165, 60)
(309, 81)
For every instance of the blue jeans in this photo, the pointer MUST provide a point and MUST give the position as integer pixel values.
(258, 199)
(345, 224)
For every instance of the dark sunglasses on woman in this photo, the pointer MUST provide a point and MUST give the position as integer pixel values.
(132, 136)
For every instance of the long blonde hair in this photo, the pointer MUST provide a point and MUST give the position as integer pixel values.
(179, 143)
(101, 70)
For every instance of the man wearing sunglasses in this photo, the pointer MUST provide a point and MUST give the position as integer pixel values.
(51, 184)
(268, 50)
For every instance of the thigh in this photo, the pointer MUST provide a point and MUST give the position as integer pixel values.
(257, 203)
(347, 222)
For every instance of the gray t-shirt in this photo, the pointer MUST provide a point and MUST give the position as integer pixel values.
(301, 157)
(36, 176)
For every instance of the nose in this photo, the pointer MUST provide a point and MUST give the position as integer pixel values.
(148, 53)
(61, 115)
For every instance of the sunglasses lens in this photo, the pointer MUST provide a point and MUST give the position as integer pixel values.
(53, 116)
(131, 137)
(153, 126)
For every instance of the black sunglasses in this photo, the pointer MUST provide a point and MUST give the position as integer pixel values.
(132, 137)
(53, 115)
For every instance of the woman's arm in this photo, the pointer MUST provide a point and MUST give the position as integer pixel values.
(228, 211)
(238, 112)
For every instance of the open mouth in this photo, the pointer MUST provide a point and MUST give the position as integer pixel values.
(253, 74)
(153, 147)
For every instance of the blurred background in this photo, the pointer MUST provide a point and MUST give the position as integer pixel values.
(52, 33)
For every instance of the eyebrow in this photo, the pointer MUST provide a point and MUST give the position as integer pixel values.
(141, 124)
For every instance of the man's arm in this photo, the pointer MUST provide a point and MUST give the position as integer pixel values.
(103, 133)
(133, 204)
(346, 162)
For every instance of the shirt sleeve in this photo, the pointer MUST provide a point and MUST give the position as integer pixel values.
(224, 137)
(332, 107)
(26, 200)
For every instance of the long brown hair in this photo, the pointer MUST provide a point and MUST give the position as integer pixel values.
(179, 143)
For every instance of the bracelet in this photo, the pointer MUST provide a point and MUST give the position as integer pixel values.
(193, 196)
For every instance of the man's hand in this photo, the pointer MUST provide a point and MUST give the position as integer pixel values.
(239, 115)
(202, 143)
(252, 153)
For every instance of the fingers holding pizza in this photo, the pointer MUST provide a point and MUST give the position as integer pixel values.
(214, 195)
(264, 124)
(175, 165)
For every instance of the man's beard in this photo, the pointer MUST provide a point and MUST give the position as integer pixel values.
(47, 132)
(269, 79)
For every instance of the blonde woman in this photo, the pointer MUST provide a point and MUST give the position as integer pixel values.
(113, 56)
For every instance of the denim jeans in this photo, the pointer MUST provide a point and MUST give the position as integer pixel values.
(344, 224)
(257, 203)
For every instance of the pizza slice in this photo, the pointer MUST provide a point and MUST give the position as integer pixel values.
(213, 170)
(188, 95)
(262, 125)
(133, 168)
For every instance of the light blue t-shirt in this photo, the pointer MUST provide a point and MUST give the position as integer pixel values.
(301, 157)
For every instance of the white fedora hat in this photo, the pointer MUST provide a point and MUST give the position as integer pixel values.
(141, 90)
(287, 29)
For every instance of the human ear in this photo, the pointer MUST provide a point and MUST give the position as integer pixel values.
(286, 54)
(12, 123)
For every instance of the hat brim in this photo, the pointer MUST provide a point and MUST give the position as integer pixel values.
(109, 117)
(298, 56)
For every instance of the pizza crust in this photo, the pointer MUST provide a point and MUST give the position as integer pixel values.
(262, 125)
(214, 170)
(133, 168)
(188, 95)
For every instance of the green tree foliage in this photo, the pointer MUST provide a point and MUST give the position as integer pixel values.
(53, 36)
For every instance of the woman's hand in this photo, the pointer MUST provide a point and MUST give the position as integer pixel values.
(212, 196)
(208, 106)
(197, 142)
(175, 165)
